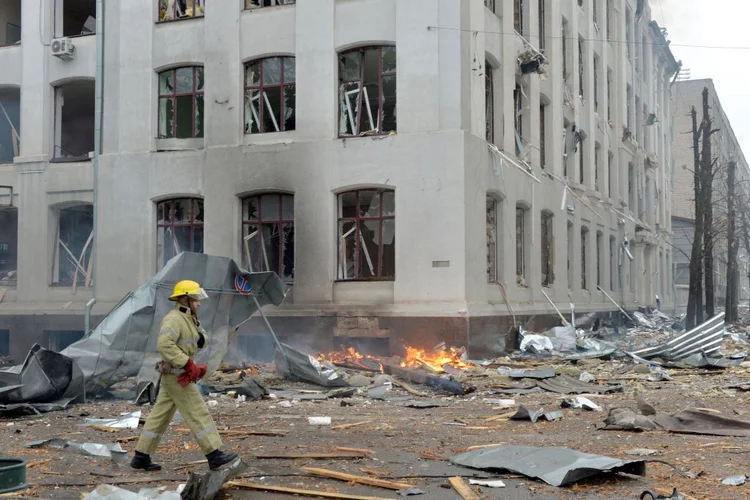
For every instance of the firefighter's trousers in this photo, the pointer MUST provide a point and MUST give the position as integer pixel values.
(188, 401)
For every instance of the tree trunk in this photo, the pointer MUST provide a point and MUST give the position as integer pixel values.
(745, 232)
(707, 191)
(731, 306)
(695, 292)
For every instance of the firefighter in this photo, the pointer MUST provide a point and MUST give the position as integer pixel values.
(180, 337)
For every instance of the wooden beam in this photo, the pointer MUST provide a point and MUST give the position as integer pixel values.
(351, 478)
(294, 491)
(349, 426)
(463, 489)
(321, 456)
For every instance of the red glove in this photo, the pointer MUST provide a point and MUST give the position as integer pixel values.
(192, 373)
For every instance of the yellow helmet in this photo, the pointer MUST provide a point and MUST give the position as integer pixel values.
(188, 288)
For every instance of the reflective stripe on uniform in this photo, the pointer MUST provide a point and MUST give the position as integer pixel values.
(152, 435)
(205, 432)
(171, 332)
(187, 341)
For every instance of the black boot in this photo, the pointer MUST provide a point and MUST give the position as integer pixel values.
(143, 461)
(217, 459)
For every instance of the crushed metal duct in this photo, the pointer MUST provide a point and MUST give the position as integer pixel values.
(705, 338)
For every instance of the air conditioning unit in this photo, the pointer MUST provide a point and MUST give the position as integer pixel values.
(62, 48)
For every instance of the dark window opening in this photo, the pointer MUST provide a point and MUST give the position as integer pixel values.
(367, 235)
(565, 54)
(10, 22)
(270, 95)
(570, 255)
(490, 4)
(612, 263)
(597, 166)
(58, 340)
(518, 15)
(367, 91)
(581, 159)
(181, 103)
(10, 124)
(4, 347)
(542, 25)
(521, 245)
(75, 17)
(491, 221)
(609, 95)
(179, 228)
(599, 257)
(489, 103)
(74, 122)
(257, 4)
(548, 249)
(170, 10)
(518, 118)
(74, 246)
(542, 136)
(268, 234)
(610, 173)
(8, 246)
(581, 68)
(596, 84)
(584, 243)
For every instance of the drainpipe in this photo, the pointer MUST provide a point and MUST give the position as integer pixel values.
(87, 316)
(98, 111)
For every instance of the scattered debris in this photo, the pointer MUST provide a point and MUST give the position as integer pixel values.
(205, 486)
(690, 421)
(580, 402)
(586, 377)
(705, 338)
(675, 495)
(554, 466)
(738, 480)
(462, 488)
(296, 491)
(489, 483)
(113, 451)
(524, 413)
(126, 421)
(641, 452)
(109, 492)
(350, 478)
(319, 420)
(565, 384)
(433, 403)
(542, 373)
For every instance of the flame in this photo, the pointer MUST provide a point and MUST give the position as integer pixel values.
(435, 359)
(350, 356)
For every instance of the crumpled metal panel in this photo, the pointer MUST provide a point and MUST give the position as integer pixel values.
(690, 421)
(705, 338)
(553, 465)
(565, 384)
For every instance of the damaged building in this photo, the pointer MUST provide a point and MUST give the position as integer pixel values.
(724, 148)
(448, 168)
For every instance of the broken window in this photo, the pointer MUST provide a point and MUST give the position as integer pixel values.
(584, 243)
(181, 103)
(570, 254)
(518, 118)
(367, 91)
(169, 10)
(490, 4)
(610, 157)
(542, 26)
(256, 4)
(599, 257)
(75, 17)
(518, 15)
(73, 251)
(58, 340)
(268, 234)
(521, 245)
(609, 95)
(548, 249)
(270, 95)
(179, 228)
(8, 246)
(596, 83)
(565, 49)
(10, 22)
(542, 135)
(492, 276)
(581, 68)
(581, 159)
(612, 262)
(367, 235)
(10, 119)
(489, 103)
(74, 121)
(597, 166)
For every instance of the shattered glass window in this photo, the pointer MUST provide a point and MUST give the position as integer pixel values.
(181, 103)
(268, 234)
(490, 4)
(548, 249)
(367, 91)
(520, 246)
(270, 95)
(179, 228)
(169, 10)
(584, 243)
(489, 103)
(367, 235)
(74, 246)
(491, 222)
(256, 4)
(8, 245)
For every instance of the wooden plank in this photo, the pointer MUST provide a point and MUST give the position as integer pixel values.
(295, 491)
(463, 489)
(241, 433)
(351, 478)
(408, 388)
(316, 456)
(349, 426)
(364, 451)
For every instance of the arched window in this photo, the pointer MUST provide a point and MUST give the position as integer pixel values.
(367, 91)
(179, 228)
(270, 95)
(367, 235)
(181, 103)
(268, 234)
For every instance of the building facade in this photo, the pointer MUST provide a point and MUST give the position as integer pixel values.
(724, 148)
(417, 170)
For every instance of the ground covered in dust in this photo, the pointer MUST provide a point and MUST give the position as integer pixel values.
(411, 444)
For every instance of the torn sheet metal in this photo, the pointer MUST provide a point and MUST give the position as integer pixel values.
(514, 390)
(565, 384)
(297, 366)
(705, 338)
(540, 373)
(688, 421)
(579, 402)
(524, 413)
(109, 492)
(33, 409)
(113, 451)
(206, 486)
(534, 343)
(126, 421)
(45, 381)
(592, 348)
(554, 466)
(700, 360)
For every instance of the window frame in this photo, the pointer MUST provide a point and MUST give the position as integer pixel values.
(358, 220)
(489, 102)
(282, 3)
(194, 3)
(192, 224)
(491, 218)
(584, 257)
(547, 230)
(262, 86)
(362, 88)
(521, 237)
(195, 92)
(60, 254)
(279, 222)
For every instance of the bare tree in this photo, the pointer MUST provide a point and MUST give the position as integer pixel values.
(731, 307)
(695, 294)
(707, 174)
